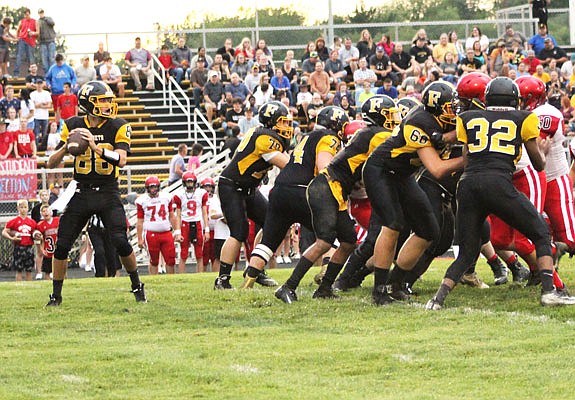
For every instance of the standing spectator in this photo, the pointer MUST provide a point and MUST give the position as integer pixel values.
(209, 186)
(291, 73)
(47, 39)
(551, 52)
(48, 229)
(240, 66)
(227, 51)
(111, 74)
(401, 63)
(36, 214)
(32, 77)
(349, 56)
(365, 45)
(213, 95)
(9, 101)
(178, 164)
(53, 138)
(319, 83)
(26, 34)
(237, 88)
(380, 64)
(198, 79)
(6, 141)
(539, 10)
(67, 104)
(247, 121)
(84, 73)
(537, 42)
(19, 231)
(362, 75)
(6, 38)
(27, 107)
(13, 121)
(59, 74)
(476, 35)
(100, 57)
(42, 103)
(24, 143)
(531, 61)
(182, 58)
(194, 160)
(166, 61)
(281, 82)
(139, 61)
(334, 68)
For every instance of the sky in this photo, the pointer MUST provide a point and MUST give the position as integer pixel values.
(123, 16)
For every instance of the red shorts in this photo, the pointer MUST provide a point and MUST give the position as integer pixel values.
(360, 209)
(161, 242)
(209, 249)
(560, 210)
(198, 243)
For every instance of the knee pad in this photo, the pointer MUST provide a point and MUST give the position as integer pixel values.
(543, 248)
(122, 244)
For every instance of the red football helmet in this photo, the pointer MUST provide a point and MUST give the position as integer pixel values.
(152, 185)
(532, 92)
(352, 127)
(471, 86)
(207, 182)
(190, 181)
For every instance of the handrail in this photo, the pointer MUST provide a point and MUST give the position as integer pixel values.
(197, 129)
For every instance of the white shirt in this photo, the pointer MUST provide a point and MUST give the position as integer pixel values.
(155, 211)
(551, 122)
(25, 110)
(191, 204)
(53, 140)
(41, 97)
(221, 230)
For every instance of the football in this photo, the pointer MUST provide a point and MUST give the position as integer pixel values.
(76, 143)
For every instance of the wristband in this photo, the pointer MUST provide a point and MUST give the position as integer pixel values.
(111, 156)
(177, 232)
(206, 229)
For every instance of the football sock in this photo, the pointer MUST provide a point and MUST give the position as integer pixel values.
(442, 293)
(252, 272)
(397, 275)
(57, 287)
(380, 277)
(511, 260)
(225, 268)
(135, 278)
(547, 280)
(557, 281)
(331, 274)
(299, 272)
(492, 259)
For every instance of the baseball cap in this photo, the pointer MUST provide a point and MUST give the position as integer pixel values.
(313, 54)
(379, 48)
(212, 73)
(547, 39)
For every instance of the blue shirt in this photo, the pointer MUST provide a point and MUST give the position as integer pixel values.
(58, 75)
(240, 90)
(391, 93)
(537, 43)
(284, 84)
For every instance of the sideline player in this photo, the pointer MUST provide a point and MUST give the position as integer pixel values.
(493, 140)
(48, 230)
(156, 219)
(96, 171)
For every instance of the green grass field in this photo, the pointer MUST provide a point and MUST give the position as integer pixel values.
(192, 342)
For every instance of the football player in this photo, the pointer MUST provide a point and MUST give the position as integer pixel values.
(156, 219)
(287, 200)
(192, 210)
(209, 186)
(493, 140)
(261, 149)
(327, 196)
(394, 193)
(96, 171)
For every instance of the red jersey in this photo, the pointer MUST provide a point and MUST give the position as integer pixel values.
(23, 141)
(5, 139)
(67, 105)
(49, 230)
(23, 227)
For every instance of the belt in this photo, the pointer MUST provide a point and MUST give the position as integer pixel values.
(95, 187)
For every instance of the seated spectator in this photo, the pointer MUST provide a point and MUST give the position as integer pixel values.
(279, 82)
(362, 75)
(139, 65)
(9, 101)
(551, 52)
(303, 99)
(365, 45)
(555, 90)
(233, 115)
(388, 89)
(401, 64)
(537, 42)
(246, 48)
(499, 60)
(531, 61)
(321, 49)
(228, 53)
(365, 94)
(511, 36)
(84, 73)
(476, 35)
(479, 54)
(522, 70)
(262, 45)
(167, 61)
(319, 83)
(100, 57)
(342, 90)
(420, 52)
(313, 108)
(441, 48)
(26, 107)
(252, 105)
(334, 68)
(308, 66)
(387, 44)
(182, 60)
(33, 76)
(552, 66)
(471, 64)
(541, 74)
(266, 67)
(567, 69)
(222, 67)
(240, 66)
(448, 68)
(348, 107)
(198, 79)
(452, 38)
(24, 142)
(568, 112)
(252, 80)
(112, 75)
(291, 73)
(237, 88)
(516, 53)
(309, 48)
(264, 92)
(380, 64)
(201, 55)
(247, 121)
(213, 92)
(226, 105)
(6, 141)
(232, 142)
(290, 56)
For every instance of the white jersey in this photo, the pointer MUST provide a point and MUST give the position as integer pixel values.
(221, 229)
(155, 211)
(212, 222)
(191, 204)
(551, 123)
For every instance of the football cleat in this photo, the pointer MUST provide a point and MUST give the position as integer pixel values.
(264, 280)
(285, 294)
(397, 291)
(140, 294)
(55, 301)
(499, 271)
(222, 282)
(340, 285)
(534, 278)
(380, 297)
(324, 293)
(433, 305)
(554, 298)
(473, 281)
(519, 271)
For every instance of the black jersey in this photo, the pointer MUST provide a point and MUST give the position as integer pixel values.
(346, 166)
(448, 182)
(494, 139)
(90, 168)
(250, 162)
(301, 168)
(399, 152)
